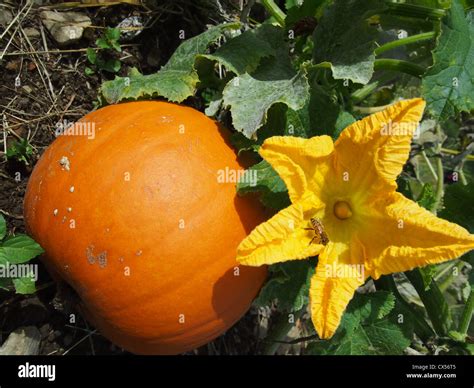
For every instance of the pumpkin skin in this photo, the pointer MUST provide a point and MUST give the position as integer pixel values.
(143, 196)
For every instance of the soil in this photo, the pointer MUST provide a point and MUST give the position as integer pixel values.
(52, 88)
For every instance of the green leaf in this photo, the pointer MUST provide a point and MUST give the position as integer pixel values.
(345, 39)
(103, 43)
(427, 197)
(459, 205)
(88, 71)
(24, 285)
(371, 326)
(448, 86)
(288, 285)
(175, 81)
(112, 34)
(264, 179)
(242, 143)
(20, 249)
(91, 55)
(3, 227)
(243, 53)
(111, 65)
(251, 96)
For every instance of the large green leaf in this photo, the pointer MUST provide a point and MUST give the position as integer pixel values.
(250, 96)
(371, 326)
(175, 81)
(345, 38)
(243, 53)
(288, 285)
(19, 249)
(448, 85)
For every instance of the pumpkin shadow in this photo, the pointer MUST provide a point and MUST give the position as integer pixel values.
(235, 290)
(223, 298)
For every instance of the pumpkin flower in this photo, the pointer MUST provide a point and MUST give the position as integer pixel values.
(346, 192)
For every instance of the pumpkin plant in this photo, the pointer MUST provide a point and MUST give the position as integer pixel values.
(356, 116)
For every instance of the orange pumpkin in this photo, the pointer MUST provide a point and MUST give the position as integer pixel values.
(134, 215)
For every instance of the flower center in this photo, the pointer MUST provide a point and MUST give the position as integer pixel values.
(342, 210)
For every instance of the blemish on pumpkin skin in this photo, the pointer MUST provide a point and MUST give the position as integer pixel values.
(101, 258)
(139, 252)
(65, 163)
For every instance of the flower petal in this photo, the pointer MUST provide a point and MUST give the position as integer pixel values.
(333, 286)
(401, 235)
(282, 238)
(379, 145)
(295, 158)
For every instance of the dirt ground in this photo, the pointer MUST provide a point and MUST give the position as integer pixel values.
(43, 83)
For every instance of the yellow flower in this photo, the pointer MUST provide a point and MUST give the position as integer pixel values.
(349, 188)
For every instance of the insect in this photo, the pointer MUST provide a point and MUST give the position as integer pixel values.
(318, 228)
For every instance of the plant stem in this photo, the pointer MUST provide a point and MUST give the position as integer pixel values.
(368, 110)
(413, 11)
(385, 64)
(436, 306)
(467, 314)
(447, 281)
(360, 94)
(404, 41)
(275, 11)
(399, 65)
(279, 330)
(440, 173)
(421, 327)
(454, 152)
(430, 166)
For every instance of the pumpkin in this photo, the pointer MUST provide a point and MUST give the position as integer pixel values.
(136, 209)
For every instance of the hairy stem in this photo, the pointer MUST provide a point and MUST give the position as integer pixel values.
(413, 11)
(440, 173)
(385, 64)
(399, 65)
(275, 11)
(467, 314)
(435, 304)
(404, 41)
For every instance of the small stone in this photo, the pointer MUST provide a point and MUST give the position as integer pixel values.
(65, 27)
(31, 32)
(55, 212)
(71, 189)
